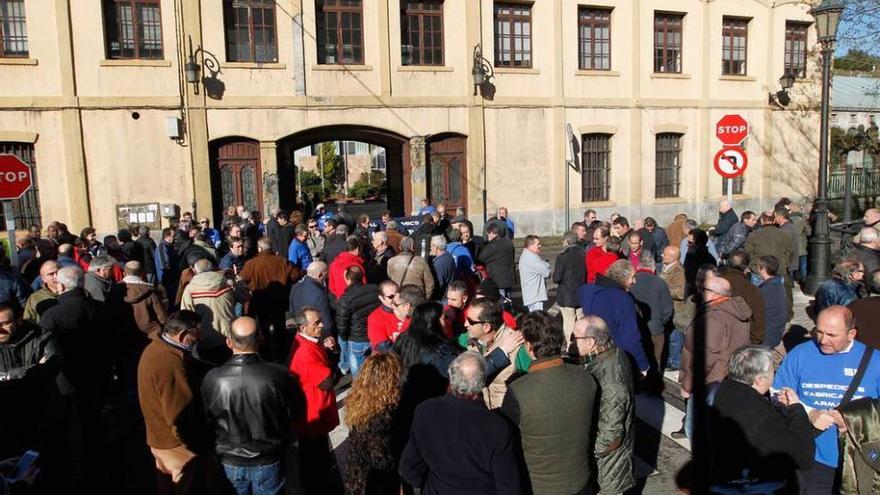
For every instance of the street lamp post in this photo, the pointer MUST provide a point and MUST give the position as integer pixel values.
(482, 74)
(827, 15)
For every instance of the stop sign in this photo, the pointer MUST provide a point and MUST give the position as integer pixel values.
(15, 177)
(732, 129)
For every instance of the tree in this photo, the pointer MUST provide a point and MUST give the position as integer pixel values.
(857, 60)
(369, 184)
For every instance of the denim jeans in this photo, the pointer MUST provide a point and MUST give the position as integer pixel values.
(802, 267)
(343, 355)
(538, 306)
(256, 480)
(676, 342)
(357, 354)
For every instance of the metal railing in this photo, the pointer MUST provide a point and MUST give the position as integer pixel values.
(865, 183)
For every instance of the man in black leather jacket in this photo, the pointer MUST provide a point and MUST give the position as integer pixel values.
(352, 310)
(251, 404)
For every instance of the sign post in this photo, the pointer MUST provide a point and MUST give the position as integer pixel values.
(731, 130)
(15, 180)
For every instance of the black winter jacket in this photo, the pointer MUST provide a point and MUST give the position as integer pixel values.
(250, 404)
(24, 351)
(281, 238)
(726, 220)
(352, 311)
(570, 273)
(498, 256)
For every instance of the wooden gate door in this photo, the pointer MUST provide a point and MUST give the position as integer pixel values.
(447, 162)
(241, 180)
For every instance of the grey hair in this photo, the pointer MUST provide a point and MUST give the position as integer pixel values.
(646, 259)
(101, 261)
(690, 225)
(342, 229)
(406, 245)
(620, 271)
(71, 277)
(316, 268)
(868, 234)
(391, 225)
(750, 362)
(264, 244)
(570, 238)
(467, 374)
(202, 266)
(439, 242)
(597, 329)
(381, 236)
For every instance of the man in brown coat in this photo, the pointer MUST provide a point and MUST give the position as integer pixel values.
(735, 273)
(394, 235)
(169, 378)
(407, 268)
(683, 310)
(725, 319)
(269, 278)
(142, 299)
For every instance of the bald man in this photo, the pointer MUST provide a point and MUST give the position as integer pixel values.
(250, 404)
(46, 296)
(725, 321)
(819, 372)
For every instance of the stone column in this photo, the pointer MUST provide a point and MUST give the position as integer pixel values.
(269, 167)
(418, 174)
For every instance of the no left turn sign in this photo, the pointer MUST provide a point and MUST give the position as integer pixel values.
(731, 161)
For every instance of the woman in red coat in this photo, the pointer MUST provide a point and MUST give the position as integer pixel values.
(599, 257)
(316, 376)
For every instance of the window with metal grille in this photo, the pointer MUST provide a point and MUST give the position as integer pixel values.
(513, 35)
(667, 42)
(421, 32)
(667, 165)
(26, 208)
(734, 45)
(738, 183)
(250, 31)
(594, 38)
(796, 49)
(595, 167)
(340, 31)
(13, 29)
(133, 29)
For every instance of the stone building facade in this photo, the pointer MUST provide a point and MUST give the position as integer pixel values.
(96, 92)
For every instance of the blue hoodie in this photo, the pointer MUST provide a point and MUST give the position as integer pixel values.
(607, 300)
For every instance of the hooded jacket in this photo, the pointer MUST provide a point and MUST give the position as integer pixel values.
(145, 304)
(211, 296)
(609, 301)
(336, 273)
(726, 323)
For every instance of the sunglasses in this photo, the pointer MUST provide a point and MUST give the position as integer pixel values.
(476, 322)
(389, 296)
(574, 339)
(205, 222)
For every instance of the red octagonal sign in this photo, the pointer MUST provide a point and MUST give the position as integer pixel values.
(15, 177)
(732, 129)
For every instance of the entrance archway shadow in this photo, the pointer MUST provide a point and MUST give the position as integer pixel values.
(395, 146)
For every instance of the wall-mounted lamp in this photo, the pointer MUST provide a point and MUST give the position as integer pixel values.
(781, 98)
(482, 71)
(192, 69)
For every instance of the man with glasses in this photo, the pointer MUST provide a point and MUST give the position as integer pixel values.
(383, 327)
(210, 233)
(591, 345)
(408, 297)
(315, 239)
(486, 332)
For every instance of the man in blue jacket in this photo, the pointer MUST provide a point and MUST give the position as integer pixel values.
(609, 299)
(298, 253)
(443, 266)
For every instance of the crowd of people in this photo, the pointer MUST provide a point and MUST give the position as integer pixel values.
(194, 363)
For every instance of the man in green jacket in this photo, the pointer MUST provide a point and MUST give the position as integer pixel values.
(553, 407)
(613, 372)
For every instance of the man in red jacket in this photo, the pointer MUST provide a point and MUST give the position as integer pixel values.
(350, 257)
(316, 375)
(383, 327)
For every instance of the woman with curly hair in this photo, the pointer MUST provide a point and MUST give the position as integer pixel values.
(373, 454)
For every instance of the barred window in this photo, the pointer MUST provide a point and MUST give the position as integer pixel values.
(668, 165)
(796, 49)
(13, 29)
(26, 209)
(133, 29)
(250, 31)
(734, 45)
(513, 35)
(667, 42)
(340, 31)
(595, 167)
(421, 32)
(594, 38)
(738, 183)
